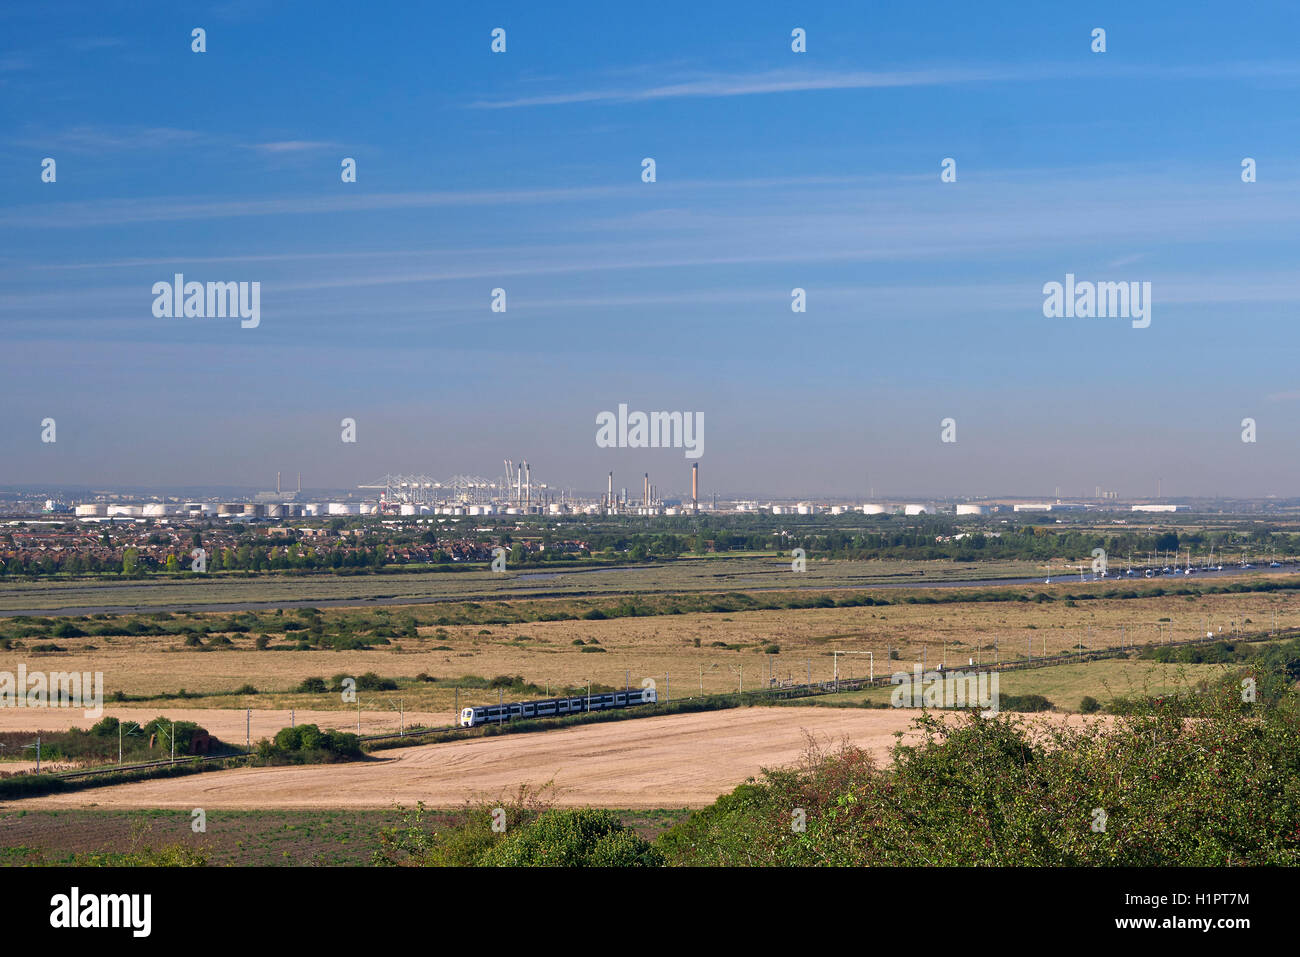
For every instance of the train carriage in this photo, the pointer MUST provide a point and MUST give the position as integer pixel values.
(553, 707)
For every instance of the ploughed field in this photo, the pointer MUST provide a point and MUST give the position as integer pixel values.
(664, 761)
(667, 761)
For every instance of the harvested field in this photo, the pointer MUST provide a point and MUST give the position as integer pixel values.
(227, 724)
(661, 762)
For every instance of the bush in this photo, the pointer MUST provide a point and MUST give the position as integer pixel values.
(1089, 705)
(308, 744)
(312, 686)
(580, 837)
(1208, 781)
(1024, 702)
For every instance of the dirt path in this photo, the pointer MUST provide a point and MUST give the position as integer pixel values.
(665, 761)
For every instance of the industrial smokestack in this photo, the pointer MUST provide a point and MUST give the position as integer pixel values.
(277, 483)
(528, 485)
(299, 483)
(609, 496)
(695, 485)
(645, 491)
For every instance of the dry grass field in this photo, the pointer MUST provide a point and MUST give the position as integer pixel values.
(663, 648)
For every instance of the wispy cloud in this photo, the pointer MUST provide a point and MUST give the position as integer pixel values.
(795, 81)
(784, 81)
(101, 139)
(87, 44)
(292, 146)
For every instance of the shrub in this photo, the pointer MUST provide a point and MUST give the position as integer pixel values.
(581, 837)
(312, 686)
(1089, 705)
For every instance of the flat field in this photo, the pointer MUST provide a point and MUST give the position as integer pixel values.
(684, 654)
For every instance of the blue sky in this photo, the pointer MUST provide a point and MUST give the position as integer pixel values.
(774, 170)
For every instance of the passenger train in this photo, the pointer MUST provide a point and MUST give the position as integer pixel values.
(472, 717)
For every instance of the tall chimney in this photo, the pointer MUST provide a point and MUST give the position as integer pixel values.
(609, 496)
(695, 486)
(645, 491)
(299, 483)
(528, 485)
(277, 483)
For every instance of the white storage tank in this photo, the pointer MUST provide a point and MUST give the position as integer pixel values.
(90, 511)
(972, 510)
(916, 510)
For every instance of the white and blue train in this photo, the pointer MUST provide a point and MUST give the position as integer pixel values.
(472, 717)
